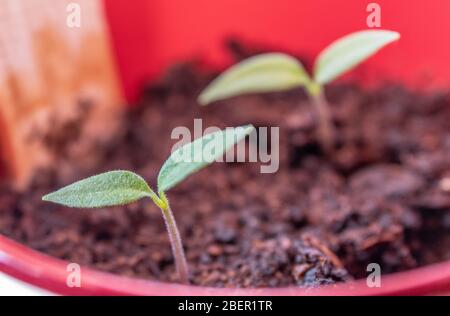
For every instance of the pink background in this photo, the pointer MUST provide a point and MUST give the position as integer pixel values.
(148, 35)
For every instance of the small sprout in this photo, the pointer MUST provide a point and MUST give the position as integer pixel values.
(278, 72)
(124, 187)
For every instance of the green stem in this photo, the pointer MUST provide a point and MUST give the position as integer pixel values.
(325, 129)
(175, 241)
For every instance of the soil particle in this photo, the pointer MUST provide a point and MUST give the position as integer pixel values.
(397, 182)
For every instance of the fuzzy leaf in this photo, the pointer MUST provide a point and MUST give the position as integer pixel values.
(198, 154)
(107, 189)
(262, 73)
(348, 52)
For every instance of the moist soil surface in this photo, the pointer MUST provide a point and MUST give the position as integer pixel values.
(381, 196)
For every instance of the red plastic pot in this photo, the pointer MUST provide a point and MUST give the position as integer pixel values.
(50, 274)
(149, 35)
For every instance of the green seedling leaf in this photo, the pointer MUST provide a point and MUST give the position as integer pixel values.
(198, 154)
(348, 52)
(107, 189)
(262, 73)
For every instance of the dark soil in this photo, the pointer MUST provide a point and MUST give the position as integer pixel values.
(382, 196)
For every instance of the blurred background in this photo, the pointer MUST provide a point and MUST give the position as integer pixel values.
(48, 66)
(151, 34)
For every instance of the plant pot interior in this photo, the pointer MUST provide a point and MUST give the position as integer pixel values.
(382, 196)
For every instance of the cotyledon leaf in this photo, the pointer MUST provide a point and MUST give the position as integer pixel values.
(198, 154)
(262, 73)
(106, 189)
(348, 52)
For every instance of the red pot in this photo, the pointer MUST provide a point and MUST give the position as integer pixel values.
(50, 274)
(150, 35)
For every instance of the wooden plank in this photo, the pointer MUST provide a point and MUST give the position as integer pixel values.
(55, 81)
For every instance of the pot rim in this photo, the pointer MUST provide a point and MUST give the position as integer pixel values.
(50, 273)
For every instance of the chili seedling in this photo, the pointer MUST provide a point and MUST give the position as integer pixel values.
(124, 187)
(278, 72)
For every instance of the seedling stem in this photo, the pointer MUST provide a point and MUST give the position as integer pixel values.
(176, 244)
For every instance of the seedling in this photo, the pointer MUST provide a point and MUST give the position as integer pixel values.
(124, 187)
(277, 72)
